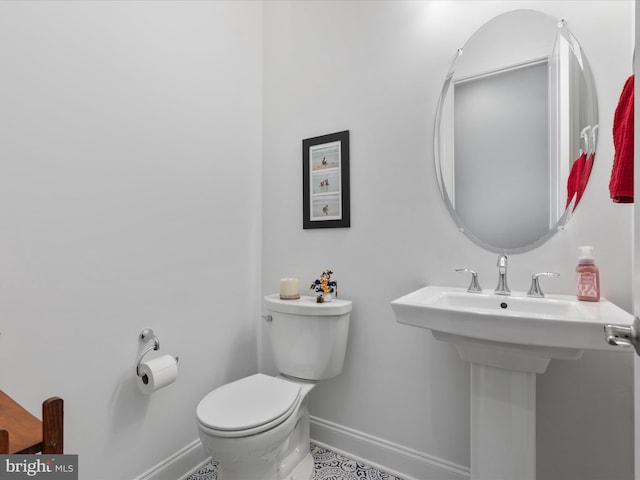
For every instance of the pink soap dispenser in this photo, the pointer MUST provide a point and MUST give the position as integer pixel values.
(588, 276)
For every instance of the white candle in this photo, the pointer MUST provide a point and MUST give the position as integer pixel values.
(289, 289)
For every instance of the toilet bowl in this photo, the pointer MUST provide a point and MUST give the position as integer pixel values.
(257, 427)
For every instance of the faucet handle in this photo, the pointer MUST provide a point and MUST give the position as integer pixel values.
(535, 291)
(474, 286)
(502, 261)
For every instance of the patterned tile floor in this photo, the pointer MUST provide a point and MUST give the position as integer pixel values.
(329, 466)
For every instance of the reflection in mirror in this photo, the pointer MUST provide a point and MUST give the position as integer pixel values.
(515, 131)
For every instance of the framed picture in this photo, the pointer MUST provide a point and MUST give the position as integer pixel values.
(325, 181)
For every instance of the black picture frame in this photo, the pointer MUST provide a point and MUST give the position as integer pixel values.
(325, 181)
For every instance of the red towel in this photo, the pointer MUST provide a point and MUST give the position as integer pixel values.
(621, 184)
(574, 180)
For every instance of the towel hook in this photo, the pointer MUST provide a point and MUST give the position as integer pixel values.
(594, 136)
(147, 335)
(584, 134)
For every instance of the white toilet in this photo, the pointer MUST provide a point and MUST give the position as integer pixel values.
(257, 428)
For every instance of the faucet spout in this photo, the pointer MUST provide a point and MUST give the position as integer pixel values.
(502, 288)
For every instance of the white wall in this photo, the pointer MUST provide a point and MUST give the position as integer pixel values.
(376, 69)
(130, 144)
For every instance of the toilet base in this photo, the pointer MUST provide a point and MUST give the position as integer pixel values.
(304, 470)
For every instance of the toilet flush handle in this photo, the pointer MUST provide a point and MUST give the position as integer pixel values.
(267, 318)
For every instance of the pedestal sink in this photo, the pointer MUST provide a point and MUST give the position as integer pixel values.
(508, 340)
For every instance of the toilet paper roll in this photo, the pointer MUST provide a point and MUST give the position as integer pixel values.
(157, 373)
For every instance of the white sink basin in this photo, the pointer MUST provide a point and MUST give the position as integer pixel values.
(504, 331)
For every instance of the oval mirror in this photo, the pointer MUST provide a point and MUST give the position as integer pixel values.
(515, 131)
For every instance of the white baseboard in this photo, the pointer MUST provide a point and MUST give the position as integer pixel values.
(395, 459)
(180, 465)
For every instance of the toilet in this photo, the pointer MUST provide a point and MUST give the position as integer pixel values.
(257, 428)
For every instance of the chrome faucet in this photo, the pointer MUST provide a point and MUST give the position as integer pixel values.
(502, 288)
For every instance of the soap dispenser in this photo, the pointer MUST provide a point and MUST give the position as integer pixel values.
(587, 276)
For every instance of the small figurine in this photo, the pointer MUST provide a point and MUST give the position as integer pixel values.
(325, 287)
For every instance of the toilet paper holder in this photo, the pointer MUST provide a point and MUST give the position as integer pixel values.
(147, 335)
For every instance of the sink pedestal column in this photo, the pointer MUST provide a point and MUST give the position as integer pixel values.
(503, 404)
(503, 424)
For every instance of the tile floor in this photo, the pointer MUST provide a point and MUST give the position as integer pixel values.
(329, 466)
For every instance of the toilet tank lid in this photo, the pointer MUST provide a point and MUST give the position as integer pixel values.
(247, 403)
(307, 306)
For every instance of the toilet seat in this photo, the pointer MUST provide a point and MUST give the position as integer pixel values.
(248, 406)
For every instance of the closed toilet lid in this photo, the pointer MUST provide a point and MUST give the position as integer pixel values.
(248, 404)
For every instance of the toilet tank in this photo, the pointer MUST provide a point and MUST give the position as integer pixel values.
(308, 339)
